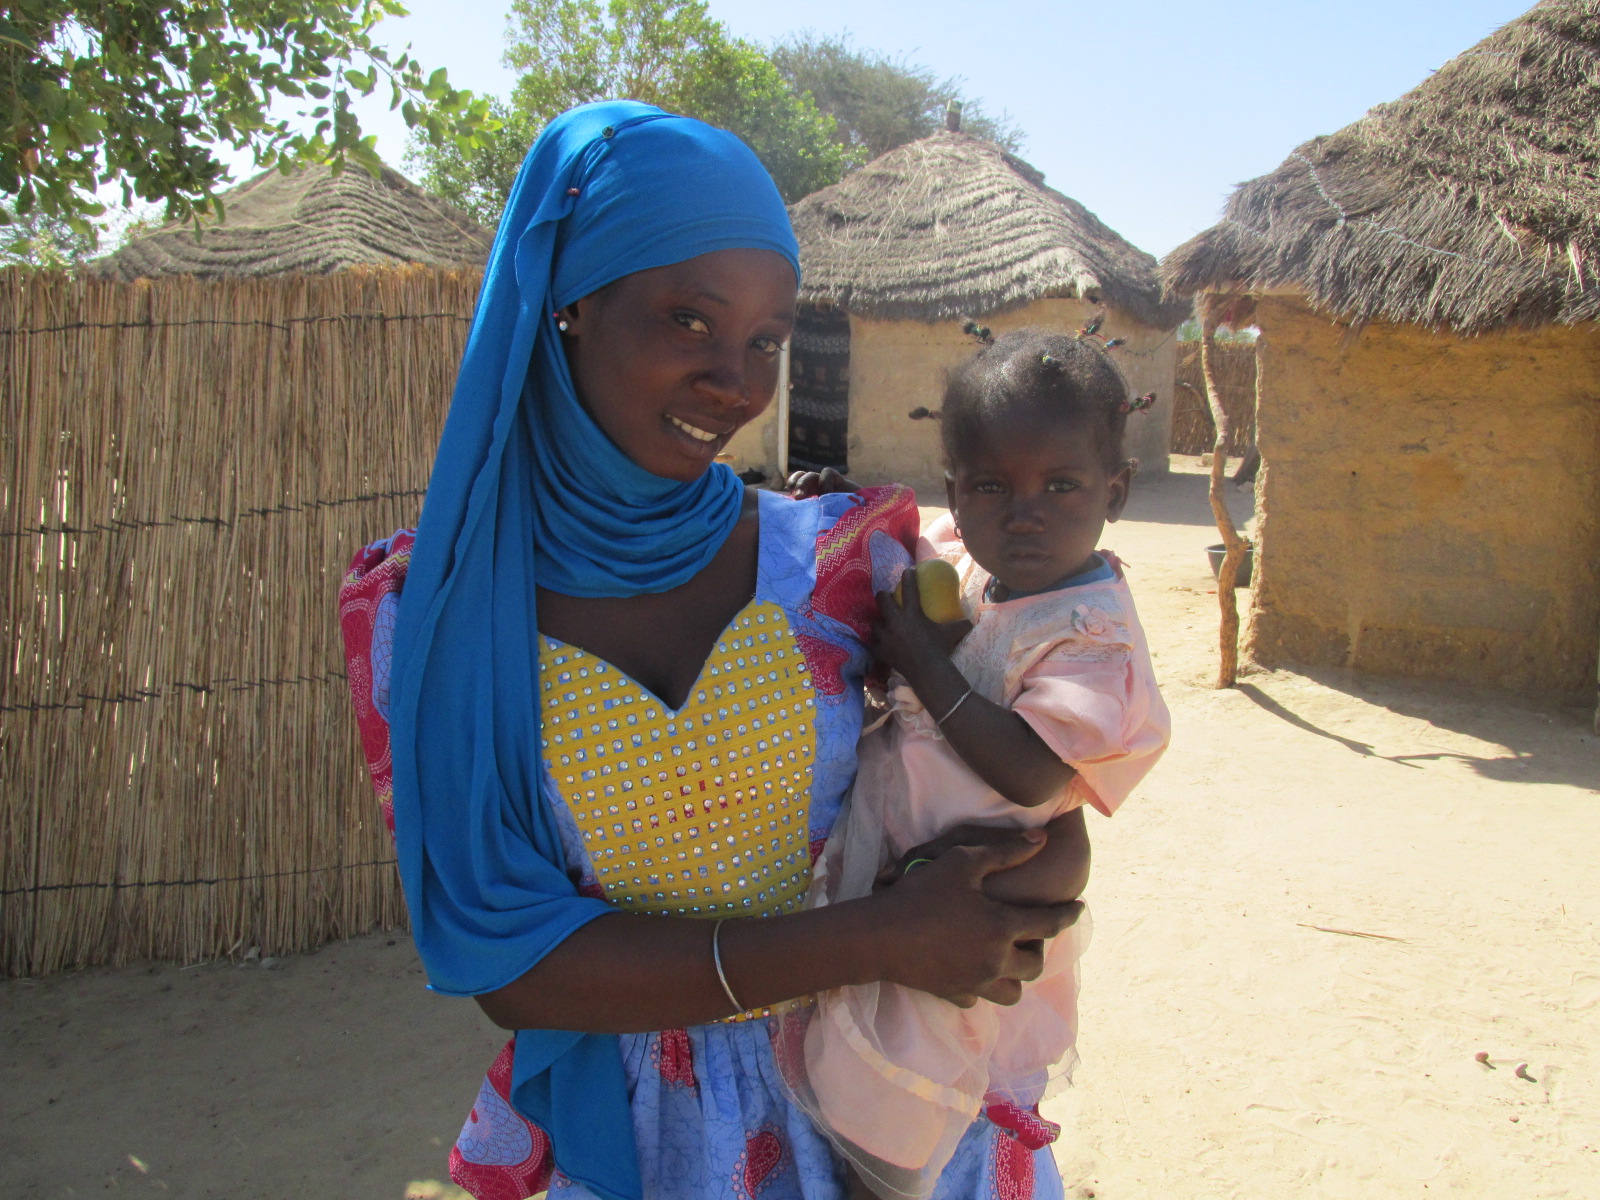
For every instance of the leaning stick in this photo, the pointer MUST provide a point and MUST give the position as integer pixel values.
(1227, 576)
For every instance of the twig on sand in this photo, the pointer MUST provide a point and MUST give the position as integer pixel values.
(1382, 937)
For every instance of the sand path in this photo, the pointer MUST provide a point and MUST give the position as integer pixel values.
(1230, 1047)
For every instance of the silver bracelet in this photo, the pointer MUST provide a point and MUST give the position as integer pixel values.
(953, 707)
(716, 958)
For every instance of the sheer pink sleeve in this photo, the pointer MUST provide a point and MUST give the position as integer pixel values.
(1094, 701)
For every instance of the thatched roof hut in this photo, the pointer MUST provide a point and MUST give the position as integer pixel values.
(311, 222)
(899, 252)
(952, 226)
(1472, 202)
(1425, 283)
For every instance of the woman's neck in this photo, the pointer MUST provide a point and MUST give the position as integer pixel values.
(662, 640)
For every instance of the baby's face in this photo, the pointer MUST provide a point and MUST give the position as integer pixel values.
(1031, 498)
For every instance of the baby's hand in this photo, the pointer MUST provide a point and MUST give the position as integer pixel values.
(906, 639)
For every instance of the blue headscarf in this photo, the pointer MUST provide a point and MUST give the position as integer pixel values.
(527, 487)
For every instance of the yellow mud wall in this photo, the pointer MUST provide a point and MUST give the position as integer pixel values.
(756, 445)
(896, 366)
(1430, 504)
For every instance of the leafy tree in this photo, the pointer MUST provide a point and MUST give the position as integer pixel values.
(35, 240)
(476, 179)
(666, 52)
(878, 102)
(140, 93)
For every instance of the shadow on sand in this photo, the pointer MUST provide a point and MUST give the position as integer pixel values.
(1181, 497)
(1545, 743)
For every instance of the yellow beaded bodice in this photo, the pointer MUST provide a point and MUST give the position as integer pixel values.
(699, 812)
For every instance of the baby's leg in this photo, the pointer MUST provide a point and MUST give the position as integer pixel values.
(1058, 873)
(855, 1188)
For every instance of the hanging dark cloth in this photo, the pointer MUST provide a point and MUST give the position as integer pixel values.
(819, 395)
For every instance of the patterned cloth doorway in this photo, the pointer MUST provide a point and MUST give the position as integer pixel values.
(819, 390)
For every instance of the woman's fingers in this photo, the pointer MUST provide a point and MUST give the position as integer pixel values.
(998, 856)
(803, 485)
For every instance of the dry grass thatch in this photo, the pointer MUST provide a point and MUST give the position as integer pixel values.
(186, 468)
(1472, 202)
(1193, 431)
(951, 226)
(310, 222)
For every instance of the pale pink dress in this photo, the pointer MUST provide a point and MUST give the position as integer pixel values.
(894, 1076)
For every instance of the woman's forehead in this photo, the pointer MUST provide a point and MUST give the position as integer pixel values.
(730, 277)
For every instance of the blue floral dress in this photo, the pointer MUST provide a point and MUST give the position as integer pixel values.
(718, 809)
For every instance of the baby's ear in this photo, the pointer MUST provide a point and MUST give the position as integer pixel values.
(1117, 489)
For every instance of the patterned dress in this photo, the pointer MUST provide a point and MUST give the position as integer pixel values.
(715, 809)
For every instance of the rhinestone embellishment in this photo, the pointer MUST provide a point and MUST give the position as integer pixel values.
(702, 812)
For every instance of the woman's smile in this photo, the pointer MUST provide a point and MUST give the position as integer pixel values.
(701, 435)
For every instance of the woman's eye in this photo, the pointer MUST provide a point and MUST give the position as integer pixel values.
(691, 322)
(767, 345)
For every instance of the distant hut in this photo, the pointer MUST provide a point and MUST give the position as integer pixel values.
(309, 222)
(901, 251)
(1426, 282)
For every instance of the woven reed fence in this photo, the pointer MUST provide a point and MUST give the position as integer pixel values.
(1192, 430)
(185, 469)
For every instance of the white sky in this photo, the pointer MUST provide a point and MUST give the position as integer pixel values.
(1147, 111)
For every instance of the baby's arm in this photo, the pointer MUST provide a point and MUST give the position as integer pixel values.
(1001, 748)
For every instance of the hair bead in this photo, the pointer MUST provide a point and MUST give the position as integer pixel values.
(982, 333)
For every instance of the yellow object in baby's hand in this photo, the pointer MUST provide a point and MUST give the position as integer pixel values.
(939, 587)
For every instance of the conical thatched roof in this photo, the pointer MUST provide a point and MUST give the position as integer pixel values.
(310, 222)
(1471, 202)
(952, 225)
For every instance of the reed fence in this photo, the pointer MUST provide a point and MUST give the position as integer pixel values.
(1192, 428)
(185, 468)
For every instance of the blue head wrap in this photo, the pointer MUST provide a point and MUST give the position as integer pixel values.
(526, 486)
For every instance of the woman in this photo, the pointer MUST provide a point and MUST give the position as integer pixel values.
(623, 687)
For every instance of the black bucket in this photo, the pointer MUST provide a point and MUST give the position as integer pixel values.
(1218, 552)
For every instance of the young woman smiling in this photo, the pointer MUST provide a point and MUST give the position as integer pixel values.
(621, 694)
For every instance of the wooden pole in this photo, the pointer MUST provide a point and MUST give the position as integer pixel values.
(1227, 576)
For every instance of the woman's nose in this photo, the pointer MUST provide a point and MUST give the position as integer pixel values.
(724, 380)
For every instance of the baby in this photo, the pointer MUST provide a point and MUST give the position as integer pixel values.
(1049, 703)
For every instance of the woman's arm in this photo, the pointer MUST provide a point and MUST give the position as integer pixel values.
(935, 931)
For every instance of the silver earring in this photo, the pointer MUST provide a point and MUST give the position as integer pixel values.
(562, 326)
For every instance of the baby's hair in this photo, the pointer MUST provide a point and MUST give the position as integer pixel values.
(1038, 373)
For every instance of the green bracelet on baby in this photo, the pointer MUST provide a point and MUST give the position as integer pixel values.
(915, 862)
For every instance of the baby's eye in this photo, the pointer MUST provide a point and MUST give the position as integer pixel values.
(1061, 485)
(691, 322)
(989, 487)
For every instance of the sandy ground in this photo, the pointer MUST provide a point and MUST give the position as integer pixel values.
(1331, 897)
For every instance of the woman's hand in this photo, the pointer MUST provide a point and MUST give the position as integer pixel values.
(942, 935)
(1056, 875)
(802, 485)
(958, 835)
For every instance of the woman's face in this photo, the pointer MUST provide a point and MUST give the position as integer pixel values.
(672, 361)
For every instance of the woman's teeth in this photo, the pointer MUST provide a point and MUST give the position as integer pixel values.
(699, 435)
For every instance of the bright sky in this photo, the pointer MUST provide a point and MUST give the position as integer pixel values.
(1146, 111)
